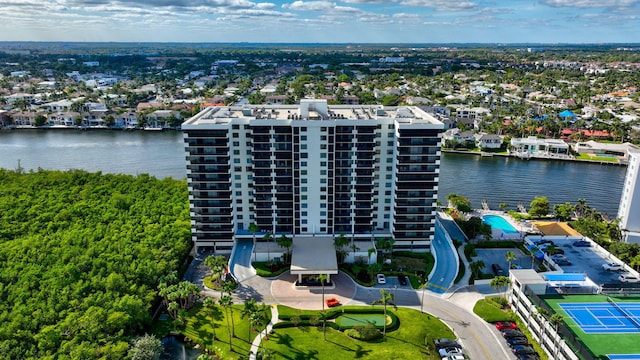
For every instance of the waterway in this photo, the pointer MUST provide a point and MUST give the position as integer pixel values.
(161, 154)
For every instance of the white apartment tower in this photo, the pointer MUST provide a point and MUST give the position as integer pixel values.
(313, 169)
(629, 210)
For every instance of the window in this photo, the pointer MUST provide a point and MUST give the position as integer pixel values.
(304, 205)
(303, 189)
(388, 176)
(248, 152)
(236, 143)
(323, 163)
(323, 221)
(323, 172)
(237, 177)
(236, 161)
(303, 221)
(323, 229)
(239, 217)
(386, 216)
(303, 197)
(323, 146)
(390, 135)
(303, 137)
(238, 186)
(303, 146)
(323, 213)
(303, 128)
(303, 172)
(238, 193)
(323, 155)
(303, 163)
(390, 143)
(323, 137)
(391, 126)
(303, 180)
(389, 168)
(236, 152)
(235, 135)
(304, 155)
(235, 127)
(303, 213)
(237, 168)
(323, 181)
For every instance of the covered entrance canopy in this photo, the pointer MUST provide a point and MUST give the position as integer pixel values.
(313, 255)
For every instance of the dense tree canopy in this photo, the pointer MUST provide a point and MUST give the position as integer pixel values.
(81, 256)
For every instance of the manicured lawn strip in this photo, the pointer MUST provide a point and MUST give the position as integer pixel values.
(596, 158)
(600, 344)
(490, 311)
(407, 342)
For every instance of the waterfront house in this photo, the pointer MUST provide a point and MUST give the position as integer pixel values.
(127, 120)
(488, 141)
(162, 119)
(66, 118)
(591, 147)
(24, 118)
(540, 148)
(58, 106)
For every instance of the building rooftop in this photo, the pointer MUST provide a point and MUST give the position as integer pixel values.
(310, 110)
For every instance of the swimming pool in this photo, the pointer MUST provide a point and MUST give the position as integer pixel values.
(500, 223)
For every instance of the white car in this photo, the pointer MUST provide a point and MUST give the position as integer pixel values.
(381, 279)
(628, 278)
(611, 267)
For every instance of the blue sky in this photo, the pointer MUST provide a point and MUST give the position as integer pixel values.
(349, 21)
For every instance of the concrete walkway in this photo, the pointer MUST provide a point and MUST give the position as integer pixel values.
(255, 345)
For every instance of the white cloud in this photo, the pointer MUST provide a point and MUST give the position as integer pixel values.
(590, 3)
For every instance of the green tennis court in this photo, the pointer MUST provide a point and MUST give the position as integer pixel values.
(348, 320)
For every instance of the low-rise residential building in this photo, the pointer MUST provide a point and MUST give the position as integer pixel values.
(24, 118)
(488, 141)
(540, 148)
(67, 118)
(591, 147)
(127, 120)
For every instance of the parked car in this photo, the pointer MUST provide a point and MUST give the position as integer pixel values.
(450, 351)
(457, 356)
(445, 342)
(517, 341)
(502, 325)
(628, 278)
(509, 333)
(528, 357)
(402, 280)
(381, 279)
(581, 243)
(612, 267)
(523, 350)
(560, 259)
(497, 270)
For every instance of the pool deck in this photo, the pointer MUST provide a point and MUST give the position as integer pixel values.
(523, 227)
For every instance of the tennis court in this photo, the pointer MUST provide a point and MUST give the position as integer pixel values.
(605, 318)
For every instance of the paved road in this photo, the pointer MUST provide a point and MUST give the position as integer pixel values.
(446, 267)
(240, 262)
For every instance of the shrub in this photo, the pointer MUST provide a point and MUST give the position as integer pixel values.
(365, 332)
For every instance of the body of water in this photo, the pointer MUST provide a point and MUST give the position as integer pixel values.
(161, 154)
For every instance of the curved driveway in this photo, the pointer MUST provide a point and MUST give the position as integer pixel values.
(446, 267)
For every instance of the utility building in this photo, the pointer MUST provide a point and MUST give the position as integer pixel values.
(313, 171)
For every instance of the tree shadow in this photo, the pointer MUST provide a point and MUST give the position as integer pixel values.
(360, 352)
(245, 293)
(283, 339)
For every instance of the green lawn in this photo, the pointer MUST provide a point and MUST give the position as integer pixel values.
(408, 342)
(599, 344)
(199, 329)
(596, 158)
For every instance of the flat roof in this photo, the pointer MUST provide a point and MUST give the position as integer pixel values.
(312, 109)
(565, 277)
(312, 255)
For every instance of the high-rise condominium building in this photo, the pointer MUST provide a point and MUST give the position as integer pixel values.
(629, 210)
(313, 169)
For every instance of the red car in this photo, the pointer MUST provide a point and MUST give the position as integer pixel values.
(503, 325)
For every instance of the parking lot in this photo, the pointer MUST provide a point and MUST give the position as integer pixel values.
(584, 260)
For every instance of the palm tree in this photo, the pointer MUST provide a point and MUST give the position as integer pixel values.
(250, 307)
(340, 242)
(210, 304)
(226, 302)
(499, 282)
(510, 256)
(257, 319)
(370, 252)
(267, 237)
(285, 242)
(228, 288)
(556, 319)
(476, 267)
(323, 278)
(254, 228)
(218, 265)
(386, 298)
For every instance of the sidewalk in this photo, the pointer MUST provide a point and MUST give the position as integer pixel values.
(255, 345)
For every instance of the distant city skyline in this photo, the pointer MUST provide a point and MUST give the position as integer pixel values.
(349, 21)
